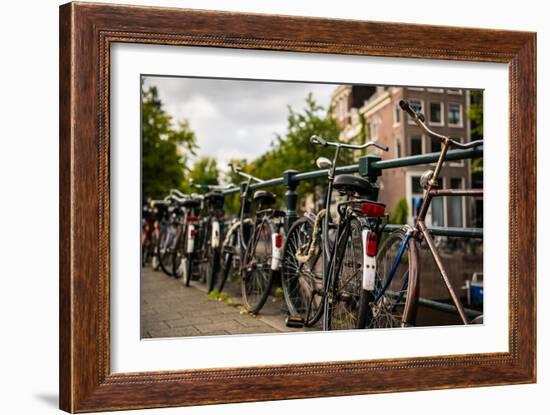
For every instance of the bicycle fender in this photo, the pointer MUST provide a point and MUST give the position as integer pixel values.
(215, 241)
(190, 239)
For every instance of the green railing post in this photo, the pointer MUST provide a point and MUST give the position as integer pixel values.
(291, 197)
(371, 173)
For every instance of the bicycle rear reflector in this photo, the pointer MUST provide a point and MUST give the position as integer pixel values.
(218, 213)
(372, 243)
(278, 240)
(373, 209)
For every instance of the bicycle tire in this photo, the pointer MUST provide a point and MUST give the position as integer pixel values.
(186, 270)
(343, 293)
(397, 306)
(260, 241)
(213, 266)
(301, 279)
(227, 252)
(165, 254)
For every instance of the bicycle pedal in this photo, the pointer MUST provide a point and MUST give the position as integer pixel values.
(295, 322)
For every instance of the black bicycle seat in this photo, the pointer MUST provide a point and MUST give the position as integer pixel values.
(214, 196)
(264, 197)
(190, 203)
(348, 183)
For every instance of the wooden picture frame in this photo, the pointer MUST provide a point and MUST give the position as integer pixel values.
(86, 33)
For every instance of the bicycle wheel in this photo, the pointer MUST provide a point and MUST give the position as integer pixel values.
(165, 249)
(396, 305)
(213, 267)
(302, 272)
(257, 274)
(155, 251)
(185, 269)
(227, 252)
(343, 299)
(203, 242)
(204, 253)
(178, 258)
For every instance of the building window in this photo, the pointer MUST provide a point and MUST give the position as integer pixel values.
(436, 213)
(456, 213)
(416, 106)
(436, 145)
(397, 115)
(397, 147)
(416, 144)
(454, 114)
(374, 128)
(417, 196)
(436, 113)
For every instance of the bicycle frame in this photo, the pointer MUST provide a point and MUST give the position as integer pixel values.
(329, 254)
(419, 229)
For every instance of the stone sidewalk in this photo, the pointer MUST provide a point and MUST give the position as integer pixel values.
(168, 309)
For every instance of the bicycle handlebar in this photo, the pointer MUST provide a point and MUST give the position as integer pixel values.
(211, 187)
(319, 141)
(241, 173)
(421, 122)
(177, 193)
(164, 201)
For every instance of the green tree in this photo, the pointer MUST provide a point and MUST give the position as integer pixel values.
(400, 213)
(293, 150)
(475, 115)
(166, 147)
(204, 171)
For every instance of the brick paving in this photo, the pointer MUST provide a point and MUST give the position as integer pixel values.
(169, 309)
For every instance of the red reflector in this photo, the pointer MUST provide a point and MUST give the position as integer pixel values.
(193, 233)
(372, 244)
(218, 213)
(278, 240)
(192, 219)
(372, 209)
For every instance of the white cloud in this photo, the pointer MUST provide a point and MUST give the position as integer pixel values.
(234, 118)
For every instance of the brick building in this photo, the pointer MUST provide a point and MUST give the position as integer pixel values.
(374, 112)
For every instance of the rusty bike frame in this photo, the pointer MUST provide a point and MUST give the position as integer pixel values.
(418, 231)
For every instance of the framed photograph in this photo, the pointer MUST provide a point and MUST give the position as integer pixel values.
(258, 207)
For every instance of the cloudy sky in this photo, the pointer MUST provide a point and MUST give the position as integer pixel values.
(233, 118)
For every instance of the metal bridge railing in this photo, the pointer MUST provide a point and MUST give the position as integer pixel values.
(370, 167)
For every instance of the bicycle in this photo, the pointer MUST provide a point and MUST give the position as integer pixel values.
(158, 216)
(329, 269)
(210, 231)
(187, 241)
(253, 247)
(149, 233)
(168, 233)
(397, 280)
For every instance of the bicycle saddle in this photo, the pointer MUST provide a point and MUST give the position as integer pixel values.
(348, 183)
(214, 196)
(264, 197)
(190, 203)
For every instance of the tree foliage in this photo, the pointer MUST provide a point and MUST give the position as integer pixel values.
(400, 213)
(204, 171)
(293, 149)
(166, 147)
(475, 115)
